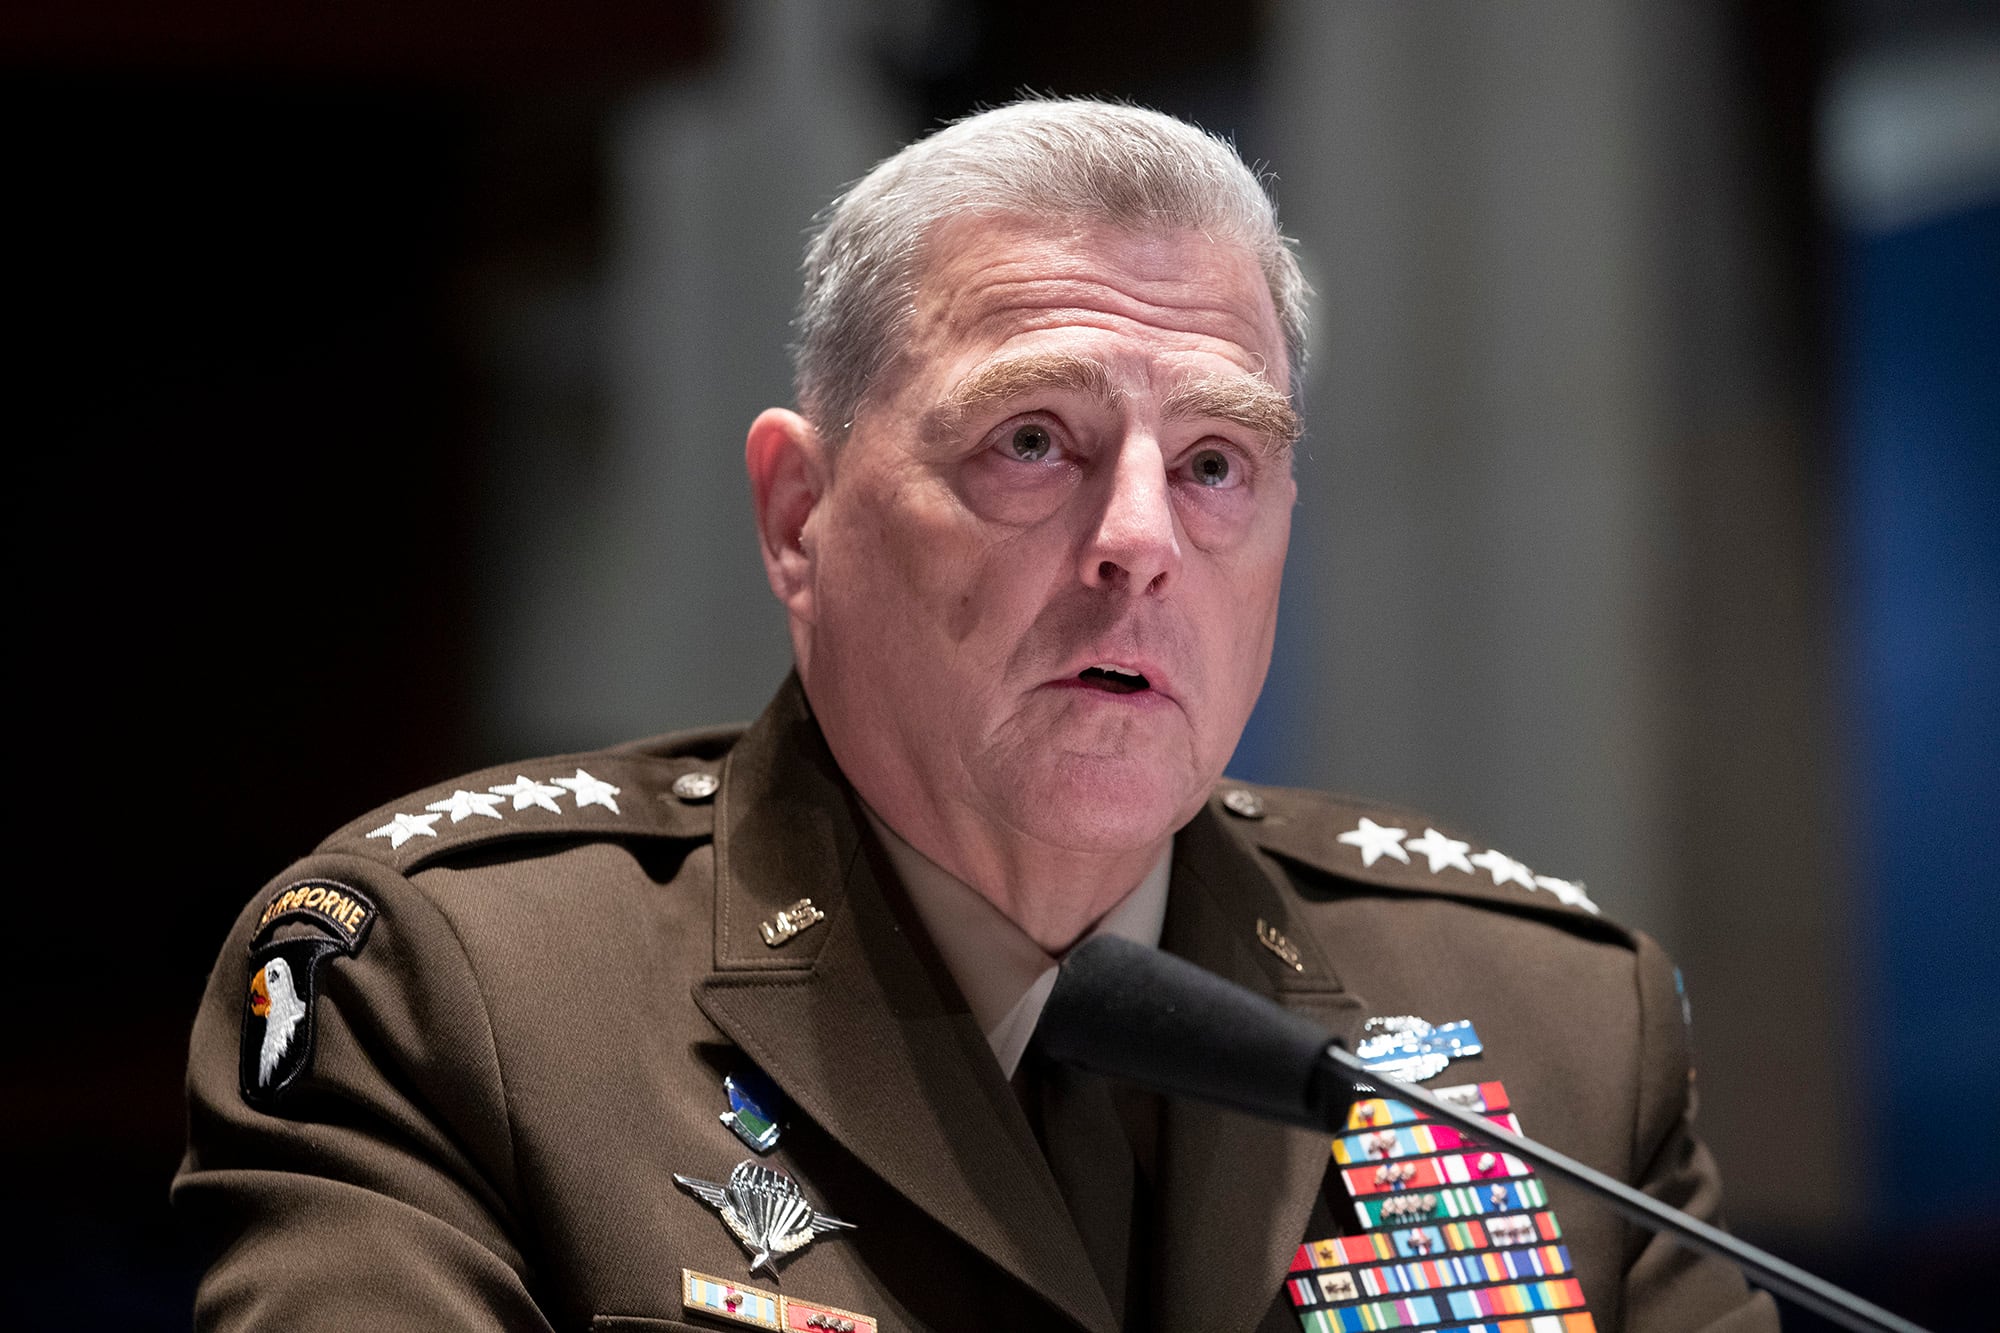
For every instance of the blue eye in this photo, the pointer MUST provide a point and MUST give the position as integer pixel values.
(1210, 467)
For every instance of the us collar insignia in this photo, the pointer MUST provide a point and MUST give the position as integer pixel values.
(1274, 939)
(801, 915)
(1408, 1048)
(765, 1209)
(756, 1108)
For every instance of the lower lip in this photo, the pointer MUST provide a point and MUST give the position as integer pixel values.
(1148, 698)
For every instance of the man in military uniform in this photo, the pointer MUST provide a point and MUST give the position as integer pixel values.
(735, 1029)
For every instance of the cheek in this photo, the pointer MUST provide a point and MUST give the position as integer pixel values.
(1217, 522)
(912, 566)
(1000, 581)
(1243, 524)
(1244, 596)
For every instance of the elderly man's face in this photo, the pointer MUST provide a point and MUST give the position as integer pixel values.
(1044, 574)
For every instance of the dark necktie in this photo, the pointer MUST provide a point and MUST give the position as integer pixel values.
(1088, 1128)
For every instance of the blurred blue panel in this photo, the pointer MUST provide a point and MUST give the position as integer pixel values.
(1920, 332)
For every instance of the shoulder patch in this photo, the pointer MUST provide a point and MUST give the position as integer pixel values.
(278, 1023)
(345, 912)
(1383, 845)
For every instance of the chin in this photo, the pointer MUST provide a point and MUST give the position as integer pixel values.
(1108, 806)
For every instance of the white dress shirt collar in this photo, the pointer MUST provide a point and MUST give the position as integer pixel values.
(1005, 976)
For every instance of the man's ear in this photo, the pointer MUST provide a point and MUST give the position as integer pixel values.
(789, 473)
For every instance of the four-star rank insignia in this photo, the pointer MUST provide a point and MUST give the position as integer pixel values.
(765, 1209)
(318, 919)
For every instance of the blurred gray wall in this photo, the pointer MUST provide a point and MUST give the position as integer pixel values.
(629, 594)
(1552, 576)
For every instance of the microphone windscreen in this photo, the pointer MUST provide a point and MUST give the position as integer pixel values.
(1134, 1013)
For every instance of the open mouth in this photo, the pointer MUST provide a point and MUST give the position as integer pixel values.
(1113, 680)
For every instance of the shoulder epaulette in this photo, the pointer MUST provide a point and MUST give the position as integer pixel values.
(663, 788)
(1384, 845)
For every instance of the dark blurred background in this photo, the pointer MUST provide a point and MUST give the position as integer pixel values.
(380, 398)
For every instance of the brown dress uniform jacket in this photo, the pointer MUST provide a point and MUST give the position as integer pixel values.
(509, 1024)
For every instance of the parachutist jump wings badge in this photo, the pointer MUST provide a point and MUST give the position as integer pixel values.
(766, 1210)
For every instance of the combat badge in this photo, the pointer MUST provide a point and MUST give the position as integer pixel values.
(765, 1209)
(278, 1008)
(1406, 1047)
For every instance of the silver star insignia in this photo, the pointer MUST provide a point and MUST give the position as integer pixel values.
(766, 1210)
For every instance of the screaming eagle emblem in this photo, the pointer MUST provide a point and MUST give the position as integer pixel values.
(278, 1017)
(765, 1209)
(274, 999)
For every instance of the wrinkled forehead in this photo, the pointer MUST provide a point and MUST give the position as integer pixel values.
(982, 273)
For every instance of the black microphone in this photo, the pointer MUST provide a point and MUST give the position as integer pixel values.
(1134, 1013)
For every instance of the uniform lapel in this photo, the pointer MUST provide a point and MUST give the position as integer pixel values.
(1236, 1192)
(851, 1021)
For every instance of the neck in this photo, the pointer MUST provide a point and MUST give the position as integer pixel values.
(1054, 894)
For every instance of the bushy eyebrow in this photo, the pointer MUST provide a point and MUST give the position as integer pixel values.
(1247, 401)
(1018, 376)
(1241, 400)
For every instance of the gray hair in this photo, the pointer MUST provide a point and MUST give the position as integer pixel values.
(1063, 160)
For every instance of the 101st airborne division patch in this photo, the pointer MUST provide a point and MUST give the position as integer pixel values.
(277, 1043)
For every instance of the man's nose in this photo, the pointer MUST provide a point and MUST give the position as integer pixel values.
(1134, 544)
